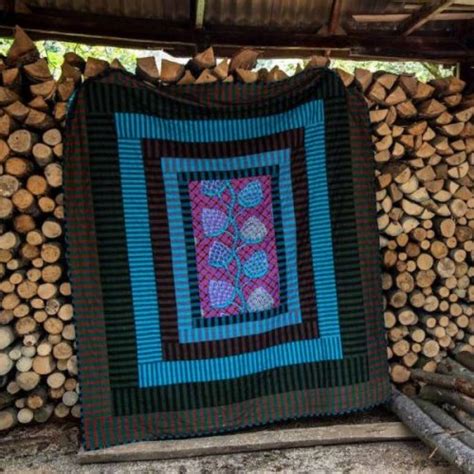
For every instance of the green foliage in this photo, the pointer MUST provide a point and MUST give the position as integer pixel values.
(422, 70)
(54, 51)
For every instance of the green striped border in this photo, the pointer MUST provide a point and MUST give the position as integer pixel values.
(100, 429)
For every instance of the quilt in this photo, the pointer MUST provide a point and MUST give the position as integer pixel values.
(223, 252)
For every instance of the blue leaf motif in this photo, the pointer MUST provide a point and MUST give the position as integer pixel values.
(256, 266)
(253, 231)
(214, 222)
(221, 294)
(219, 255)
(251, 195)
(260, 300)
(213, 187)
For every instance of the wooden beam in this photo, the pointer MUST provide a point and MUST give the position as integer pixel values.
(333, 27)
(423, 15)
(334, 20)
(397, 17)
(199, 13)
(261, 440)
(179, 39)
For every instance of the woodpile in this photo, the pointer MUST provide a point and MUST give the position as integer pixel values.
(423, 138)
(38, 369)
(423, 135)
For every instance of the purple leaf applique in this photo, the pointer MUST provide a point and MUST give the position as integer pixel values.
(220, 255)
(221, 293)
(214, 222)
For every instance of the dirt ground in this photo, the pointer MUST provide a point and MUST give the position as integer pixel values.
(52, 449)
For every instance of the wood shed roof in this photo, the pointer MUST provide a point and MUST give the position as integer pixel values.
(440, 30)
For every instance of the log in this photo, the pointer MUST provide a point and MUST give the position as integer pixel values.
(171, 71)
(440, 417)
(432, 434)
(23, 50)
(94, 67)
(451, 367)
(443, 395)
(38, 71)
(205, 77)
(8, 419)
(244, 59)
(21, 141)
(147, 69)
(202, 60)
(464, 358)
(464, 418)
(444, 381)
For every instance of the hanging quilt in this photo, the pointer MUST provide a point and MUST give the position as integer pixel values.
(223, 251)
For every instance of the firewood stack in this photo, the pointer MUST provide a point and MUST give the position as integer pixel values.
(424, 142)
(423, 136)
(38, 370)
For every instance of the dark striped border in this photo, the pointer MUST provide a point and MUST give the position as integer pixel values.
(153, 150)
(118, 91)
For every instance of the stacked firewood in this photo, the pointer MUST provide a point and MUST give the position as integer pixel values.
(38, 369)
(424, 140)
(423, 136)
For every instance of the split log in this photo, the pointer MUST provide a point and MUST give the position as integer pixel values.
(244, 59)
(147, 69)
(171, 71)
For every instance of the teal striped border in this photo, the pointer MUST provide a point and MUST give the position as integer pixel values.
(132, 127)
(171, 167)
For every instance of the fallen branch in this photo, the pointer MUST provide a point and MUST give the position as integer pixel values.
(443, 395)
(433, 435)
(463, 417)
(466, 359)
(444, 381)
(449, 366)
(453, 427)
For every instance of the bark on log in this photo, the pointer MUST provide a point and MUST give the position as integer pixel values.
(452, 426)
(444, 381)
(442, 395)
(432, 434)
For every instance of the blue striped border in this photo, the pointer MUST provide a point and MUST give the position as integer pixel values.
(173, 166)
(152, 372)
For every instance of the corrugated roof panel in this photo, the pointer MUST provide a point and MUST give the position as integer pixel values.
(282, 14)
(174, 10)
(295, 15)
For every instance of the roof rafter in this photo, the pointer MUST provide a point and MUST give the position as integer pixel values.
(398, 17)
(199, 12)
(423, 15)
(333, 26)
(334, 21)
